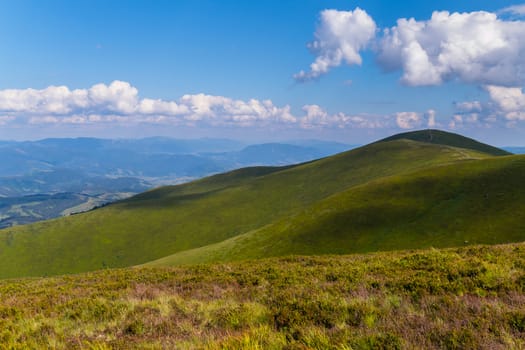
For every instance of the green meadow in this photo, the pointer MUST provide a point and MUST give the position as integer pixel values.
(461, 298)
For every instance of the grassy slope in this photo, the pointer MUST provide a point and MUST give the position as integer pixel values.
(439, 137)
(475, 202)
(468, 298)
(172, 219)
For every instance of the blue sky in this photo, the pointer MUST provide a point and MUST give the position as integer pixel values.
(233, 69)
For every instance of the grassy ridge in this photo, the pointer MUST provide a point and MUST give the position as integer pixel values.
(477, 202)
(439, 137)
(468, 298)
(173, 219)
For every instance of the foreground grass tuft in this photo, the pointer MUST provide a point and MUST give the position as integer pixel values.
(454, 299)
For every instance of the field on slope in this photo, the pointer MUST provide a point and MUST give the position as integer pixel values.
(476, 202)
(467, 298)
(172, 219)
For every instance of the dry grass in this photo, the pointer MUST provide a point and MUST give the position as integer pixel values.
(455, 299)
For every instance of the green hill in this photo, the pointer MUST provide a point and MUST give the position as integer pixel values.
(445, 206)
(262, 201)
(439, 137)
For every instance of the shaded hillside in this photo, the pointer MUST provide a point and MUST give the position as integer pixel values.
(439, 137)
(445, 206)
(172, 219)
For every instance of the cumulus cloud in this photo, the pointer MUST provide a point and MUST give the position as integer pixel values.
(510, 101)
(408, 120)
(223, 109)
(44, 120)
(481, 114)
(518, 10)
(469, 106)
(53, 99)
(475, 47)
(119, 102)
(119, 97)
(506, 104)
(339, 37)
(317, 117)
(430, 117)
(412, 120)
(150, 106)
(455, 122)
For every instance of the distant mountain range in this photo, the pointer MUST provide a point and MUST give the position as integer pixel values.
(69, 175)
(515, 150)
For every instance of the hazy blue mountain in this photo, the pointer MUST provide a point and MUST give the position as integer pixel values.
(147, 157)
(152, 157)
(277, 154)
(515, 150)
(52, 177)
(325, 147)
(68, 180)
(177, 146)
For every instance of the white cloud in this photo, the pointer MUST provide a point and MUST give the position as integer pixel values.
(472, 118)
(120, 102)
(430, 116)
(94, 118)
(472, 47)
(340, 36)
(150, 106)
(74, 119)
(44, 120)
(119, 97)
(510, 101)
(224, 110)
(518, 10)
(316, 117)
(455, 122)
(408, 120)
(475, 47)
(53, 99)
(469, 106)
(201, 105)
